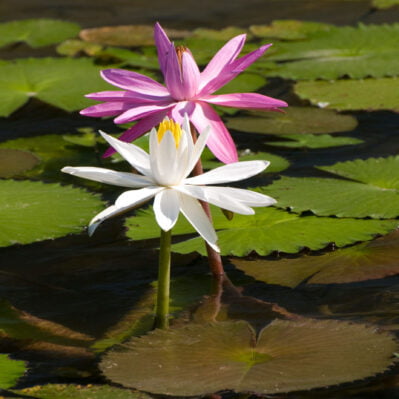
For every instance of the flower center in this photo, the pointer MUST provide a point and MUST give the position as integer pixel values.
(179, 51)
(171, 126)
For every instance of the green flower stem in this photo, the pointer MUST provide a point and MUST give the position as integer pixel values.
(162, 307)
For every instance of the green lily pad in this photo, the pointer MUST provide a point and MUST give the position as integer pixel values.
(245, 82)
(287, 356)
(61, 82)
(220, 34)
(375, 194)
(148, 60)
(64, 391)
(371, 51)
(37, 32)
(73, 47)
(14, 162)
(294, 120)
(289, 29)
(314, 141)
(34, 211)
(384, 4)
(267, 231)
(11, 371)
(352, 95)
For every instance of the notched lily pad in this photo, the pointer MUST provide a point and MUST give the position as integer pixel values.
(367, 261)
(14, 162)
(294, 120)
(287, 356)
(314, 141)
(34, 211)
(11, 371)
(37, 32)
(352, 95)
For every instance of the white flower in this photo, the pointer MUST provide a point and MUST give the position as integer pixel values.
(165, 171)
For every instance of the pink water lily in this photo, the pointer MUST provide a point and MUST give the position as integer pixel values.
(188, 91)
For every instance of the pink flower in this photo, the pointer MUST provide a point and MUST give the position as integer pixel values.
(188, 91)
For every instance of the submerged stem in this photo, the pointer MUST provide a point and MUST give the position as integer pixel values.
(162, 307)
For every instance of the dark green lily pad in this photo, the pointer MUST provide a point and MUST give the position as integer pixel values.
(371, 51)
(294, 120)
(14, 162)
(34, 211)
(384, 4)
(314, 141)
(289, 29)
(64, 391)
(220, 34)
(366, 261)
(352, 95)
(11, 371)
(243, 83)
(375, 194)
(287, 356)
(267, 231)
(37, 32)
(61, 82)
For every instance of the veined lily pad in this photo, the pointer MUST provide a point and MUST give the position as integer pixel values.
(61, 82)
(64, 391)
(37, 32)
(352, 95)
(294, 120)
(314, 141)
(383, 4)
(11, 371)
(13, 162)
(34, 211)
(375, 193)
(287, 356)
(366, 261)
(268, 230)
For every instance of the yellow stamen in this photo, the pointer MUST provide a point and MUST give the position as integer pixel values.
(173, 127)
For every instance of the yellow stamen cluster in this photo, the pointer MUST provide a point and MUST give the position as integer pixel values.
(173, 127)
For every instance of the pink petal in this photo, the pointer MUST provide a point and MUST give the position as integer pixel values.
(134, 81)
(246, 100)
(163, 46)
(142, 111)
(141, 127)
(126, 96)
(219, 140)
(227, 54)
(173, 76)
(106, 109)
(190, 75)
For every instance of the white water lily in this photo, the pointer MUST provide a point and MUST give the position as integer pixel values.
(164, 175)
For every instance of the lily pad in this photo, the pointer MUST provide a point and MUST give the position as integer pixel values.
(352, 95)
(294, 120)
(14, 162)
(267, 231)
(245, 82)
(148, 60)
(220, 34)
(375, 194)
(11, 371)
(34, 211)
(289, 29)
(366, 261)
(64, 391)
(61, 82)
(287, 356)
(37, 32)
(371, 51)
(73, 47)
(314, 141)
(384, 4)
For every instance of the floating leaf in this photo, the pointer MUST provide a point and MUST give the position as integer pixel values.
(375, 193)
(34, 211)
(245, 82)
(289, 29)
(14, 162)
(133, 58)
(73, 47)
(287, 356)
(268, 230)
(314, 141)
(64, 391)
(384, 4)
(61, 82)
(220, 34)
(345, 95)
(11, 371)
(294, 120)
(37, 32)
(371, 51)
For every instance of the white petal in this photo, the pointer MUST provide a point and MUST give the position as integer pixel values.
(108, 176)
(154, 158)
(166, 208)
(103, 215)
(194, 213)
(167, 160)
(132, 198)
(219, 196)
(228, 173)
(137, 157)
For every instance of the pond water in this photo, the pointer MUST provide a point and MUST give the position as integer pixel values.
(64, 302)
